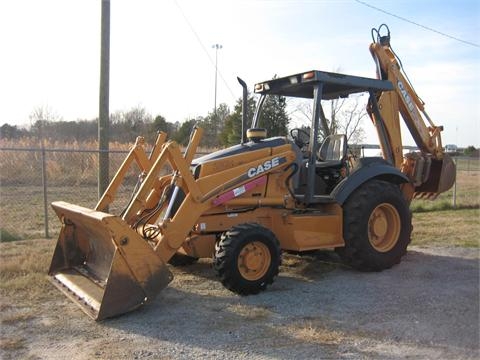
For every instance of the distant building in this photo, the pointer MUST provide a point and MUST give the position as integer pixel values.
(451, 148)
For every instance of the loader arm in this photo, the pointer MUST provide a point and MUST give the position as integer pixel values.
(110, 264)
(136, 154)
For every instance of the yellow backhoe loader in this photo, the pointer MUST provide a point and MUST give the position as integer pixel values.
(245, 204)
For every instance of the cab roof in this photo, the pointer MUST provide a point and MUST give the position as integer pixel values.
(335, 85)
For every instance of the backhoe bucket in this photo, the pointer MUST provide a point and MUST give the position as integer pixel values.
(440, 178)
(102, 264)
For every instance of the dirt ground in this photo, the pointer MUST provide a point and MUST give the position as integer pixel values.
(425, 307)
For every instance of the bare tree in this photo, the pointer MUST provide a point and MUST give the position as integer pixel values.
(43, 113)
(348, 119)
(125, 126)
(40, 118)
(344, 116)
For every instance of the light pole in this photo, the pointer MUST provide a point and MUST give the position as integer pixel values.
(216, 47)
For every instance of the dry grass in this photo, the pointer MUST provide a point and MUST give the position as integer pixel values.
(76, 167)
(23, 268)
(459, 228)
(250, 312)
(310, 333)
(73, 163)
(23, 286)
(13, 318)
(11, 344)
(318, 264)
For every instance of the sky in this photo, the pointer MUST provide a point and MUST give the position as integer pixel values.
(161, 55)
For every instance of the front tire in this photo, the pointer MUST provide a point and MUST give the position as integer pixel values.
(247, 258)
(377, 225)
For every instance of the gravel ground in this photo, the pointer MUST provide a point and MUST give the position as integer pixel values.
(425, 307)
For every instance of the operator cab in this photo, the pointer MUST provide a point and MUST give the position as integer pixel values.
(322, 165)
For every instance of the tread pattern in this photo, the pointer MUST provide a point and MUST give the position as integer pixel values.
(227, 249)
(358, 251)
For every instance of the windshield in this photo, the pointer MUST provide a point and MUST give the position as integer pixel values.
(256, 116)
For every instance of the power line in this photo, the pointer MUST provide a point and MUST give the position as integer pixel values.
(197, 37)
(417, 24)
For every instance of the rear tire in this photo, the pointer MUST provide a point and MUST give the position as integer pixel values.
(377, 225)
(247, 258)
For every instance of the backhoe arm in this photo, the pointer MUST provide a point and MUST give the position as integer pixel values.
(404, 101)
(431, 171)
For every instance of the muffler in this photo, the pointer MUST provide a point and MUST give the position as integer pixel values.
(102, 264)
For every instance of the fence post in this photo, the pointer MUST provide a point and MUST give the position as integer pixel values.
(455, 184)
(44, 182)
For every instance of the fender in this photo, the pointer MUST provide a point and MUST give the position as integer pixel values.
(378, 168)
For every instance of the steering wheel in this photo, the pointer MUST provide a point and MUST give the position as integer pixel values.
(301, 137)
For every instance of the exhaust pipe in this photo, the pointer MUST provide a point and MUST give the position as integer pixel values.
(244, 110)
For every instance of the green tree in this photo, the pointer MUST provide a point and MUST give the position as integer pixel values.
(183, 134)
(161, 124)
(11, 132)
(471, 151)
(232, 129)
(213, 125)
(274, 117)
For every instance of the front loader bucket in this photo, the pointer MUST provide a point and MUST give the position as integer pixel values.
(102, 264)
(440, 178)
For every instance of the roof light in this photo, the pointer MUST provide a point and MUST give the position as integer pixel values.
(258, 87)
(309, 75)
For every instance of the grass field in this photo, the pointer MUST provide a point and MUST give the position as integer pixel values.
(458, 228)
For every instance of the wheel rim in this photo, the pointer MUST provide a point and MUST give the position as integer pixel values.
(384, 227)
(254, 260)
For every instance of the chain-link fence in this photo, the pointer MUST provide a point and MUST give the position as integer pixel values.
(32, 178)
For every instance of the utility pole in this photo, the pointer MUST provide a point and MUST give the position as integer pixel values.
(103, 117)
(216, 47)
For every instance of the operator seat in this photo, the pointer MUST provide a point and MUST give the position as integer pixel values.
(332, 152)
